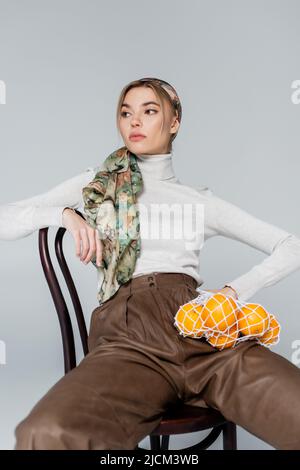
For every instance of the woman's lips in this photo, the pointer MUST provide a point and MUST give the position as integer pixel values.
(136, 138)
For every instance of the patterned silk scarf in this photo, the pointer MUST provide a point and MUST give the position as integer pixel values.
(110, 207)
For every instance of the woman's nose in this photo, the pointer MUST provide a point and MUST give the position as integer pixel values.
(136, 120)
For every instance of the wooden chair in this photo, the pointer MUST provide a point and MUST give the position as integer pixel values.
(178, 420)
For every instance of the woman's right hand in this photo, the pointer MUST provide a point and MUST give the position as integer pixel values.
(86, 238)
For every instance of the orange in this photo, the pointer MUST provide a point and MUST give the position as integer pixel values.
(188, 319)
(272, 334)
(219, 312)
(227, 340)
(253, 319)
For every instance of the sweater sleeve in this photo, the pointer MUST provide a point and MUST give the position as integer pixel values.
(21, 218)
(282, 247)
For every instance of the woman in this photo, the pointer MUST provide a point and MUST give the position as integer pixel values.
(138, 365)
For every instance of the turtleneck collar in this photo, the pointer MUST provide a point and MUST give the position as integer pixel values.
(157, 166)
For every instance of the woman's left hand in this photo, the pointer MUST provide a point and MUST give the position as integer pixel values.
(227, 291)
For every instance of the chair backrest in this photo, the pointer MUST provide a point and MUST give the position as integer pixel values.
(66, 328)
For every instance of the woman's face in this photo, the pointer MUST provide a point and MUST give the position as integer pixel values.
(141, 114)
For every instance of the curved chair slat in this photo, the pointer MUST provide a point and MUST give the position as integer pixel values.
(59, 302)
(72, 291)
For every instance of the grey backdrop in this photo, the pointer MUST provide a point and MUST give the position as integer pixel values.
(64, 64)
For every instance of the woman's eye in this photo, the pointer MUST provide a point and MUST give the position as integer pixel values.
(123, 113)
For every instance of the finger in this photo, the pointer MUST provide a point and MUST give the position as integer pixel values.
(92, 246)
(77, 243)
(85, 244)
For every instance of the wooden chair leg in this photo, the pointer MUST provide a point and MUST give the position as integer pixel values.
(229, 436)
(155, 443)
(165, 442)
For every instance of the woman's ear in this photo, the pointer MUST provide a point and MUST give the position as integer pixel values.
(175, 125)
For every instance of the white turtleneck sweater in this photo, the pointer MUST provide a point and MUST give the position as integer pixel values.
(173, 251)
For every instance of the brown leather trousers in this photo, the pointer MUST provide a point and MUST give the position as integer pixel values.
(139, 365)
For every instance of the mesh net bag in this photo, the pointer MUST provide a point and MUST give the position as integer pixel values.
(225, 321)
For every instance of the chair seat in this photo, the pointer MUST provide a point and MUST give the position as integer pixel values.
(188, 418)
